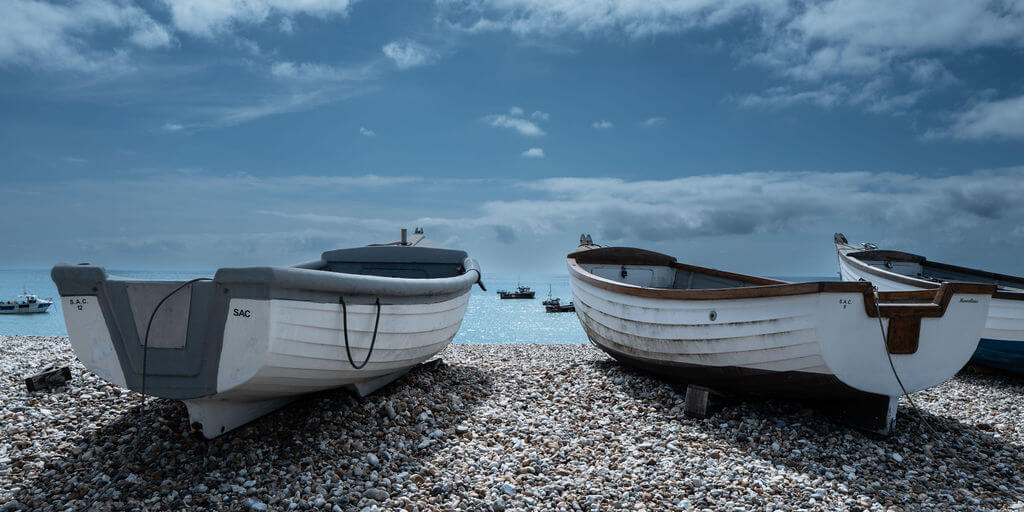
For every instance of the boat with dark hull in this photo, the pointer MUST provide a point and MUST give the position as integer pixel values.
(521, 292)
(747, 335)
(1002, 343)
(555, 306)
(249, 340)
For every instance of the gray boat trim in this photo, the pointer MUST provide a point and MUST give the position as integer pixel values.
(185, 369)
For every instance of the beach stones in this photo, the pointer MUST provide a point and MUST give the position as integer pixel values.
(501, 428)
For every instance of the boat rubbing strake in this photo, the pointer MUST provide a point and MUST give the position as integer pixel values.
(252, 339)
(1002, 343)
(748, 335)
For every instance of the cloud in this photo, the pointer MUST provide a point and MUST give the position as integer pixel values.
(1003, 119)
(173, 127)
(812, 46)
(542, 116)
(287, 25)
(409, 54)
(534, 153)
(784, 96)
(208, 18)
(313, 72)
(51, 36)
(762, 202)
(654, 121)
(601, 125)
(367, 132)
(514, 121)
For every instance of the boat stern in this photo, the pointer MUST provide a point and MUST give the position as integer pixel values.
(894, 342)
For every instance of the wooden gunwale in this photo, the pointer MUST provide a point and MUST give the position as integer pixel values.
(890, 304)
(851, 257)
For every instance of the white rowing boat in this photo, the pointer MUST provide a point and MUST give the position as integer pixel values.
(1002, 342)
(250, 340)
(748, 335)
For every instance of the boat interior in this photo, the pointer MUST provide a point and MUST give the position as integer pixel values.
(404, 261)
(654, 270)
(913, 265)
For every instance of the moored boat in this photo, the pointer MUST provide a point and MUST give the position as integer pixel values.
(747, 335)
(25, 303)
(557, 307)
(250, 340)
(521, 292)
(1002, 342)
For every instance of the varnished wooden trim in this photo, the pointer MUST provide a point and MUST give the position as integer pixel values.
(907, 304)
(904, 335)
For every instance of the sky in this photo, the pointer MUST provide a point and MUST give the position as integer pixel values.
(737, 134)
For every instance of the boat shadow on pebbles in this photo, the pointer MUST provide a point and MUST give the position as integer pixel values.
(326, 449)
(948, 464)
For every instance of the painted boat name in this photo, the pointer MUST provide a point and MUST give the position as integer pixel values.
(971, 301)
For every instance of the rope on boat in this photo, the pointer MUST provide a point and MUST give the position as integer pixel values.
(142, 408)
(885, 345)
(920, 416)
(344, 321)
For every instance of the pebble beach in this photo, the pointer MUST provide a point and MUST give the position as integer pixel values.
(496, 428)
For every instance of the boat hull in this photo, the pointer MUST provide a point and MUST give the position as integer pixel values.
(810, 346)
(16, 309)
(1002, 341)
(252, 340)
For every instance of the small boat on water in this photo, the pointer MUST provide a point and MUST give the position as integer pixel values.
(1002, 343)
(550, 301)
(250, 340)
(557, 307)
(521, 292)
(24, 304)
(820, 342)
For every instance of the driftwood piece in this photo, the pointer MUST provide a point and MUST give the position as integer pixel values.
(49, 378)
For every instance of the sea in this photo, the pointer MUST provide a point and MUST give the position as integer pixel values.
(488, 318)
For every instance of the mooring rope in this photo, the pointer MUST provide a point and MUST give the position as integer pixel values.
(373, 341)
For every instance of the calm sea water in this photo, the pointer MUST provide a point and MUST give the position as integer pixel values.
(488, 318)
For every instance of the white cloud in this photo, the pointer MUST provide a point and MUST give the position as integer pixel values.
(779, 97)
(989, 119)
(523, 126)
(367, 132)
(654, 121)
(830, 43)
(207, 18)
(534, 153)
(287, 25)
(409, 54)
(317, 72)
(541, 116)
(50, 36)
(515, 111)
(173, 127)
(601, 125)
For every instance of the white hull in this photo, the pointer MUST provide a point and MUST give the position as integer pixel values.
(287, 348)
(823, 333)
(829, 342)
(13, 309)
(1005, 316)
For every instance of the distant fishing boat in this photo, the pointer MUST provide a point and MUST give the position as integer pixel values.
(557, 307)
(1002, 343)
(521, 292)
(250, 340)
(24, 304)
(816, 341)
(551, 301)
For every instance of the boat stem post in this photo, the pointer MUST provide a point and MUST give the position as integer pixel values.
(696, 402)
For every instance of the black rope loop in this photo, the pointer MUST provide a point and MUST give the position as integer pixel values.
(373, 341)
